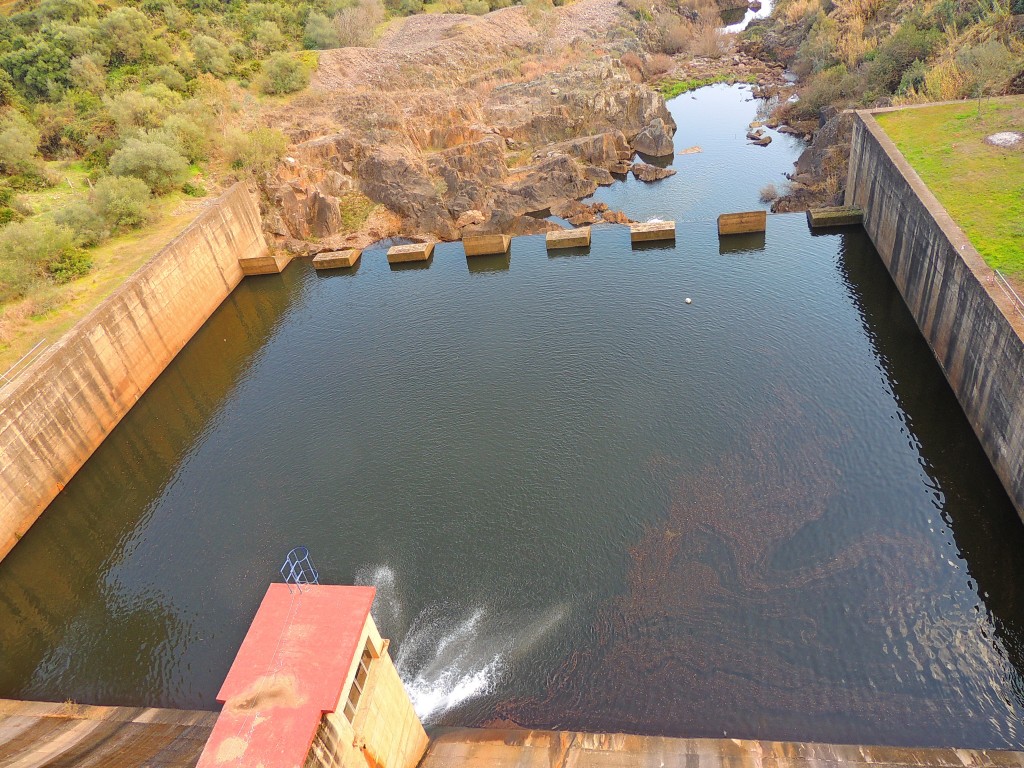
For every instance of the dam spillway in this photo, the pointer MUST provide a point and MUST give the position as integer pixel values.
(617, 511)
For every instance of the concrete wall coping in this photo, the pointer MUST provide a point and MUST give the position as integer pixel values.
(985, 275)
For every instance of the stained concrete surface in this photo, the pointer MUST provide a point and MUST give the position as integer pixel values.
(508, 748)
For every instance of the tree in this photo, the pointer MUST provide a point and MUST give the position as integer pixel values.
(283, 74)
(128, 33)
(320, 32)
(158, 164)
(988, 67)
(19, 141)
(211, 55)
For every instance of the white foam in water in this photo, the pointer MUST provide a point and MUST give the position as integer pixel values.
(446, 659)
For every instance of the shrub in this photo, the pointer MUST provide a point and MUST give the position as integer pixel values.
(257, 151)
(320, 32)
(122, 202)
(897, 53)
(477, 7)
(267, 38)
(128, 32)
(769, 193)
(31, 250)
(85, 223)
(133, 109)
(67, 266)
(677, 36)
(708, 41)
(659, 64)
(211, 55)
(19, 140)
(190, 134)
(88, 73)
(283, 74)
(161, 166)
(193, 190)
(355, 25)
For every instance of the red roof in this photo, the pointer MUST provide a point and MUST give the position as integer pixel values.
(289, 671)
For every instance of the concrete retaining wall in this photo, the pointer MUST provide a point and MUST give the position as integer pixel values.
(58, 411)
(973, 328)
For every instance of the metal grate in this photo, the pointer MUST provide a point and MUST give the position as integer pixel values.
(298, 569)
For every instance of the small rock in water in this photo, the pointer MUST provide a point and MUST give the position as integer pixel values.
(689, 300)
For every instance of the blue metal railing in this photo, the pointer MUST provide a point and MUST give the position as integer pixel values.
(298, 569)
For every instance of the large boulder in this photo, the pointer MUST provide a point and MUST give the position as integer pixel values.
(648, 172)
(654, 140)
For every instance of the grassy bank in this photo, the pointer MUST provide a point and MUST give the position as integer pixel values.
(981, 186)
(49, 310)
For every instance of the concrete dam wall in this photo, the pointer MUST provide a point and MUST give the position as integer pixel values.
(972, 326)
(62, 407)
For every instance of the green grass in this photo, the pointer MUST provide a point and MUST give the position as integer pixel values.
(672, 88)
(981, 186)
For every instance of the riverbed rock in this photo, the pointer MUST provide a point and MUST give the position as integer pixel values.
(654, 140)
(648, 172)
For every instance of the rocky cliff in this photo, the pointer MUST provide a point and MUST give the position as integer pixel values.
(462, 124)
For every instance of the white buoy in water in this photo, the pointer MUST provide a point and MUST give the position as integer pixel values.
(689, 300)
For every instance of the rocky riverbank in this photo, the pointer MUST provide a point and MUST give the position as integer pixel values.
(455, 125)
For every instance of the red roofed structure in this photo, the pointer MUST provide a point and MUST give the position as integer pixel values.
(313, 669)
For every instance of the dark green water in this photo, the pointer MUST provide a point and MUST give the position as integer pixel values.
(585, 503)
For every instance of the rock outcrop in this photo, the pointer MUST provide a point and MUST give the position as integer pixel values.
(656, 139)
(482, 167)
(648, 172)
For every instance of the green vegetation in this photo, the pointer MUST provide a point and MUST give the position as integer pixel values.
(861, 52)
(981, 186)
(672, 88)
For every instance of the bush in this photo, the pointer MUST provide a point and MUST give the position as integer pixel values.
(267, 38)
(257, 151)
(85, 223)
(769, 193)
(897, 53)
(283, 74)
(477, 7)
(31, 250)
(67, 266)
(320, 32)
(355, 25)
(19, 140)
(122, 202)
(659, 64)
(211, 55)
(190, 134)
(677, 36)
(161, 166)
(133, 109)
(193, 190)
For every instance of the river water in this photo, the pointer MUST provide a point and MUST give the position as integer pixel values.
(585, 503)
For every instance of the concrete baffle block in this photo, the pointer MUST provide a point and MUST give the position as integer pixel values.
(399, 254)
(838, 216)
(486, 245)
(742, 223)
(569, 238)
(644, 232)
(337, 259)
(272, 262)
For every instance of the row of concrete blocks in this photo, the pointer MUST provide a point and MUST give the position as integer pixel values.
(488, 245)
(485, 245)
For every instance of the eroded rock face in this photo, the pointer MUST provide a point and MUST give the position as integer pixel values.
(656, 139)
(446, 169)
